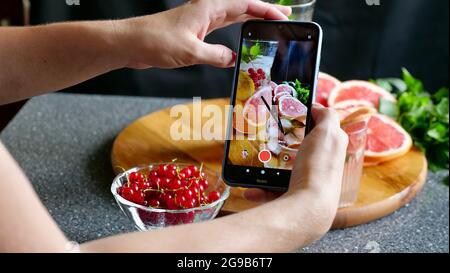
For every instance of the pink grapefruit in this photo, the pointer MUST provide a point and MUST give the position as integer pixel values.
(358, 90)
(284, 88)
(292, 108)
(325, 84)
(386, 140)
(255, 111)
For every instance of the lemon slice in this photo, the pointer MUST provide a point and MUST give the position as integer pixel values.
(246, 86)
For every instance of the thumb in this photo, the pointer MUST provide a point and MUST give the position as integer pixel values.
(216, 55)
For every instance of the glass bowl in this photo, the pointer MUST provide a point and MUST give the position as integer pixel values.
(147, 218)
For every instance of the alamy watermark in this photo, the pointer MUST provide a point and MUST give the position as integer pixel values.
(373, 2)
(73, 2)
(210, 121)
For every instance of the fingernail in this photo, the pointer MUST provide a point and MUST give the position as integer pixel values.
(233, 56)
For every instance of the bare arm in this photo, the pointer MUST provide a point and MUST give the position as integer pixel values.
(294, 220)
(297, 218)
(40, 65)
(25, 225)
(40, 59)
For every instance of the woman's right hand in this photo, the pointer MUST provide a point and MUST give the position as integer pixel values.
(317, 173)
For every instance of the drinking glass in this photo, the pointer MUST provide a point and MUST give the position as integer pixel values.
(354, 162)
(302, 10)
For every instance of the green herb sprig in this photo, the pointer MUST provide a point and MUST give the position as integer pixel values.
(425, 116)
(249, 55)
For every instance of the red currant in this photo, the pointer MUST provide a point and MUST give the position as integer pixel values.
(251, 71)
(188, 194)
(172, 167)
(180, 199)
(194, 170)
(170, 173)
(213, 196)
(195, 190)
(162, 170)
(175, 184)
(165, 182)
(187, 172)
(201, 189)
(138, 198)
(188, 203)
(204, 183)
(143, 185)
(171, 204)
(203, 200)
(154, 203)
(135, 177)
(155, 183)
(153, 175)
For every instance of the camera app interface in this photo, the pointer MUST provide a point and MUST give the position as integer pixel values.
(273, 91)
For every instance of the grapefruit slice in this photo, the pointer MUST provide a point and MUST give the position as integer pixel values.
(284, 88)
(349, 104)
(325, 84)
(386, 140)
(357, 115)
(292, 108)
(255, 111)
(358, 90)
(279, 95)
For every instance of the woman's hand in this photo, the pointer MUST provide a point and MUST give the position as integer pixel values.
(175, 38)
(318, 169)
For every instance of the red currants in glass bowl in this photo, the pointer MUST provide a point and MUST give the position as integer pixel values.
(167, 194)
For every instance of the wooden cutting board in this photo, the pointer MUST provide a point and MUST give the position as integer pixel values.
(384, 188)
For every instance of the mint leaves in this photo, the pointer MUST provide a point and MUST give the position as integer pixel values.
(249, 55)
(285, 2)
(301, 92)
(425, 116)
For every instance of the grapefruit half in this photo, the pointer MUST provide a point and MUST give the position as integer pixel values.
(386, 140)
(325, 84)
(255, 111)
(359, 90)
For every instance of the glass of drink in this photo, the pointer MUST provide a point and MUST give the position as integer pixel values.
(354, 161)
(259, 54)
(302, 10)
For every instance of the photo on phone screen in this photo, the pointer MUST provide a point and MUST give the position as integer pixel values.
(274, 88)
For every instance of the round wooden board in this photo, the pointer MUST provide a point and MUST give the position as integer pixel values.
(384, 188)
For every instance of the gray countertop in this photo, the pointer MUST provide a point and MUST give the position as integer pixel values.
(63, 143)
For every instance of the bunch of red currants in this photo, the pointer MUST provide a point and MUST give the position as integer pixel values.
(258, 76)
(169, 187)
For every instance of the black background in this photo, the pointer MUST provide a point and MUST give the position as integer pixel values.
(360, 42)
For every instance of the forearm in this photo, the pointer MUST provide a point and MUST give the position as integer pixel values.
(25, 225)
(40, 59)
(267, 228)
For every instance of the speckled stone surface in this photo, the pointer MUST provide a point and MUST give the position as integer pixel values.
(63, 143)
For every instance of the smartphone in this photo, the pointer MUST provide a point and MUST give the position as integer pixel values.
(273, 90)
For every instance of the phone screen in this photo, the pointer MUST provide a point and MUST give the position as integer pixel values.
(274, 89)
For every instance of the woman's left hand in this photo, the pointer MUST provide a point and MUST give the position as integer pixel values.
(175, 38)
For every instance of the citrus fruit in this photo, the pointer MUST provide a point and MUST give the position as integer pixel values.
(349, 104)
(246, 86)
(279, 95)
(386, 140)
(357, 115)
(358, 90)
(255, 111)
(325, 84)
(292, 108)
(284, 88)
